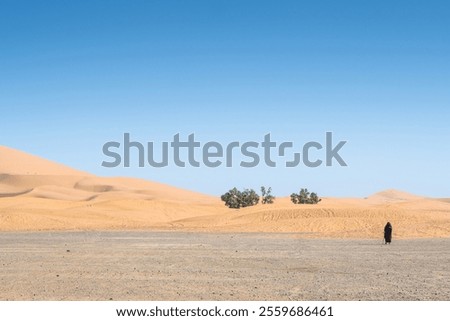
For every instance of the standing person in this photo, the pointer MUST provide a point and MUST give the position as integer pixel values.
(388, 233)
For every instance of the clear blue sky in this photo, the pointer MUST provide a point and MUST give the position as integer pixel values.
(74, 75)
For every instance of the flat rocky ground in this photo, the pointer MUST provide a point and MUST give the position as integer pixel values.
(206, 266)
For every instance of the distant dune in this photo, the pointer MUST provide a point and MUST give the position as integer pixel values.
(37, 194)
(394, 196)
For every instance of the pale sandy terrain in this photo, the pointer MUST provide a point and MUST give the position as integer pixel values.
(39, 195)
(218, 266)
(69, 235)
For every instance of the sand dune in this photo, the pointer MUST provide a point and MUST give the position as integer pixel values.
(19, 163)
(393, 196)
(334, 219)
(36, 194)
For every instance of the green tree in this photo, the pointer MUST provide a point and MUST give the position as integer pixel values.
(249, 198)
(305, 197)
(232, 198)
(266, 195)
(237, 199)
(314, 198)
(294, 198)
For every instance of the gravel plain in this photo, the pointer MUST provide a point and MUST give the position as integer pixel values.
(175, 266)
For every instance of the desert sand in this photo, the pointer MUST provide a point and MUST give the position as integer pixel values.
(70, 235)
(40, 195)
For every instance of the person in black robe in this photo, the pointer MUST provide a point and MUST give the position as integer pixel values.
(388, 233)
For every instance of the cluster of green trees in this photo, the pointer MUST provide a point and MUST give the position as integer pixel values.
(237, 199)
(248, 197)
(305, 197)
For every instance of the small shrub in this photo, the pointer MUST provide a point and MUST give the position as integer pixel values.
(266, 195)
